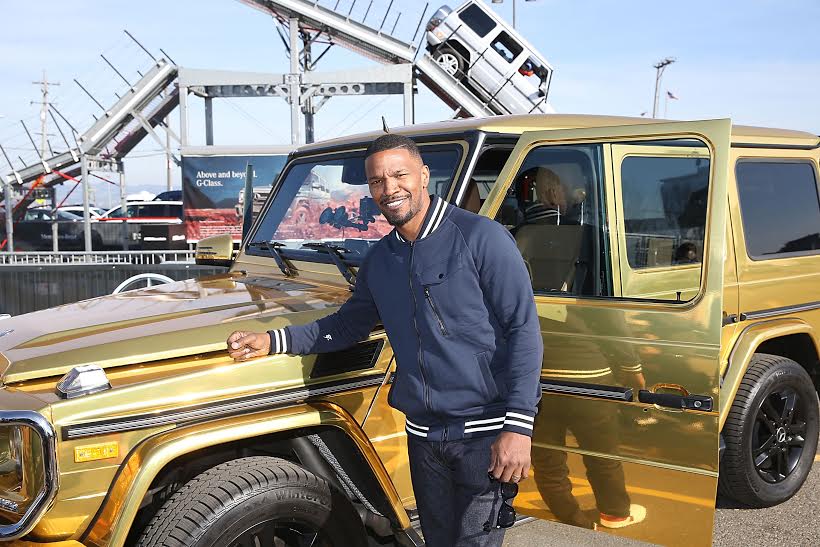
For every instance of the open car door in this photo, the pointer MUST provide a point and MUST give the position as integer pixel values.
(627, 270)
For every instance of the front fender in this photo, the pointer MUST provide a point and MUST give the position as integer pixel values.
(116, 516)
(744, 348)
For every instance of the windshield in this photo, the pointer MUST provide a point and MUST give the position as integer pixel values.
(327, 200)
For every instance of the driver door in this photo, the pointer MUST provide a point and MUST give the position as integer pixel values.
(626, 438)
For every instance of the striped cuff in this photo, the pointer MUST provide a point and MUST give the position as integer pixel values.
(415, 429)
(519, 421)
(279, 341)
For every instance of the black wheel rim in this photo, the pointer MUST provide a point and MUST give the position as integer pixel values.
(282, 533)
(779, 435)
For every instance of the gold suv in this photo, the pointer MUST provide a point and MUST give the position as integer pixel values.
(676, 271)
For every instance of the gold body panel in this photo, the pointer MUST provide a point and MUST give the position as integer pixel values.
(665, 460)
(780, 286)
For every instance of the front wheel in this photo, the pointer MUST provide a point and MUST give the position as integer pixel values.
(771, 433)
(450, 61)
(258, 501)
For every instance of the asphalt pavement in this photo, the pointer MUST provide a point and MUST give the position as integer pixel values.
(792, 523)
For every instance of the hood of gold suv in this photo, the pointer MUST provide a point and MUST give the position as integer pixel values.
(179, 319)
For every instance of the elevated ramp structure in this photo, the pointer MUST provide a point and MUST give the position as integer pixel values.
(336, 20)
(124, 123)
(338, 24)
(145, 105)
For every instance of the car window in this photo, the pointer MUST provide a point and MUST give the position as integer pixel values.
(66, 215)
(327, 199)
(664, 204)
(780, 208)
(36, 215)
(477, 19)
(506, 46)
(484, 175)
(158, 210)
(133, 211)
(554, 208)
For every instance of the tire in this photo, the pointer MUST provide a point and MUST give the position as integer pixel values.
(450, 61)
(760, 426)
(259, 499)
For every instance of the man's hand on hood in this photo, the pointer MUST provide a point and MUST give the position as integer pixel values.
(244, 345)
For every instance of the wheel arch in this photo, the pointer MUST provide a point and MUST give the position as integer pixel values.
(791, 338)
(459, 48)
(141, 469)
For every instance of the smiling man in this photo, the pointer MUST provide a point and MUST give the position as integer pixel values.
(456, 302)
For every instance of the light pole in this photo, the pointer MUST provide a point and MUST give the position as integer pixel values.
(513, 3)
(660, 66)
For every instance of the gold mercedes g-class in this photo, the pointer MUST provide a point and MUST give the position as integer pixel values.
(677, 278)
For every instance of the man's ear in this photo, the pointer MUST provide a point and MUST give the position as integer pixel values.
(425, 176)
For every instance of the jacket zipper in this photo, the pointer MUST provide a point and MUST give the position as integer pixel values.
(418, 334)
(441, 326)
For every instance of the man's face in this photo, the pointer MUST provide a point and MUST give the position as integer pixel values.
(398, 183)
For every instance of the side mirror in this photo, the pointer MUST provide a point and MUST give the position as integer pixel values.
(215, 251)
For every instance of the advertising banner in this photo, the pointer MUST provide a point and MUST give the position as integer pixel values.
(213, 189)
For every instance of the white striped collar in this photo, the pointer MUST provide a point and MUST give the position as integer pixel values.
(435, 214)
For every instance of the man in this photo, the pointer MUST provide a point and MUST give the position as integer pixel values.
(455, 299)
(551, 200)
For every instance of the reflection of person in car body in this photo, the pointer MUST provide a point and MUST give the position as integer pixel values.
(595, 431)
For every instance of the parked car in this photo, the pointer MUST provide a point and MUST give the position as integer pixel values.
(477, 47)
(77, 210)
(680, 313)
(169, 195)
(146, 212)
(34, 231)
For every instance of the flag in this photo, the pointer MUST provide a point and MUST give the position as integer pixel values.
(671, 95)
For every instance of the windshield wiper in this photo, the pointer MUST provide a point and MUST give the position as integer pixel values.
(273, 249)
(336, 256)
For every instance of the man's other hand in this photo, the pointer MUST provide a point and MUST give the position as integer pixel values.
(510, 457)
(244, 345)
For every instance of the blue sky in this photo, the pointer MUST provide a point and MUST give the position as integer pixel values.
(755, 61)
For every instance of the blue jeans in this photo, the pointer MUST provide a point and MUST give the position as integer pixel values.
(454, 496)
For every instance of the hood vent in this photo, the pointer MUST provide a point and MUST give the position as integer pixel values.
(360, 357)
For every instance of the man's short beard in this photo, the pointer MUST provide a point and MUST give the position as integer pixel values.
(398, 221)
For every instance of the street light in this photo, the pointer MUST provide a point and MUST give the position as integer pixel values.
(513, 3)
(660, 66)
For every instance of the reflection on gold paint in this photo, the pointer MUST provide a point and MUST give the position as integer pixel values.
(678, 505)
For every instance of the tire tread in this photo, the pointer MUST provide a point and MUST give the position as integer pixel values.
(203, 496)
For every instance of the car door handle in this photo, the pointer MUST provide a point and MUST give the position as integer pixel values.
(672, 400)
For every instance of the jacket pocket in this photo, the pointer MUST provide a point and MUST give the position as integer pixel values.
(437, 272)
(434, 309)
(483, 362)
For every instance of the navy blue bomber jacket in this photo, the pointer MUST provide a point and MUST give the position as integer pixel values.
(458, 308)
